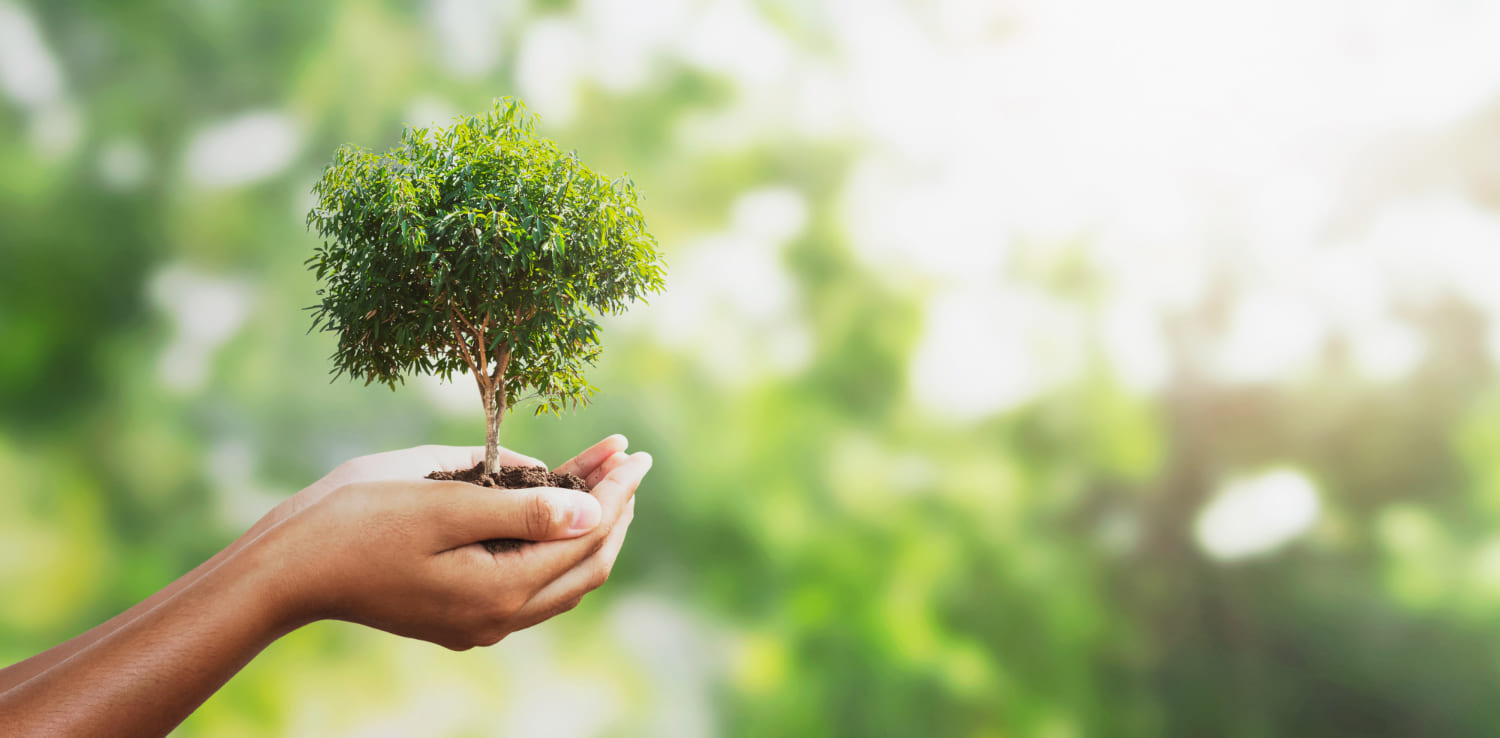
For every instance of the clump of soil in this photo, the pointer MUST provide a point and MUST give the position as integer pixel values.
(510, 477)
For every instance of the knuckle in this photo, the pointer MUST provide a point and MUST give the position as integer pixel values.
(596, 544)
(541, 516)
(599, 575)
(508, 604)
(490, 638)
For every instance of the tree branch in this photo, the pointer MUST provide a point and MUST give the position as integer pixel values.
(481, 367)
(453, 308)
(463, 343)
(501, 364)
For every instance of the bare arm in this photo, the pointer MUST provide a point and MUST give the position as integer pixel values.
(407, 463)
(147, 669)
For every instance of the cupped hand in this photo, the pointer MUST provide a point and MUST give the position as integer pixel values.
(407, 463)
(376, 544)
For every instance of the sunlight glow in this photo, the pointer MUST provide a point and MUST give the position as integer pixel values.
(205, 311)
(243, 150)
(28, 71)
(737, 278)
(987, 351)
(1256, 515)
(468, 33)
(549, 67)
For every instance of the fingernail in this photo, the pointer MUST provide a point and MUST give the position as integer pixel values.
(585, 516)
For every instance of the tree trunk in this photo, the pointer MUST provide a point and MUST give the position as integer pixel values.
(494, 412)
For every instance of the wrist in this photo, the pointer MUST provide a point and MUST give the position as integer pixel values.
(271, 588)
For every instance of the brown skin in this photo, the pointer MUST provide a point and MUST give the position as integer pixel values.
(370, 543)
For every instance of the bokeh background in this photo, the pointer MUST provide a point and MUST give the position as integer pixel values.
(1027, 368)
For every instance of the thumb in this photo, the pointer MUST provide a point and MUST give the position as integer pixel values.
(535, 514)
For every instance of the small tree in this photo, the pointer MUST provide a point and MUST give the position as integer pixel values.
(478, 247)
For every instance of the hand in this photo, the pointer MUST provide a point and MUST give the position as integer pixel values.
(408, 463)
(400, 554)
(372, 543)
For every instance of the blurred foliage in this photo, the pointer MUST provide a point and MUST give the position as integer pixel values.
(815, 553)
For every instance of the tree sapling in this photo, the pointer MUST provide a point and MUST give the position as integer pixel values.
(481, 248)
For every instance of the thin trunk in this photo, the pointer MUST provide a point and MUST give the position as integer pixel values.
(493, 412)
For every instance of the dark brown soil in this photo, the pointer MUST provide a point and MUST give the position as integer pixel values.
(510, 477)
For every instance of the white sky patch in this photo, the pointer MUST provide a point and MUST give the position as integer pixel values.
(1054, 120)
(1269, 334)
(124, 164)
(751, 282)
(937, 222)
(30, 75)
(205, 311)
(545, 697)
(458, 398)
(988, 351)
(812, 102)
(731, 301)
(549, 66)
(468, 33)
(28, 71)
(427, 111)
(819, 107)
(681, 658)
(776, 214)
(1429, 242)
(1135, 346)
(1161, 274)
(1416, 248)
(1256, 515)
(1438, 244)
(628, 37)
(1386, 350)
(1345, 283)
(730, 37)
(242, 150)
(776, 87)
(732, 128)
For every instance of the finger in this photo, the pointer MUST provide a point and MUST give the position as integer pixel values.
(618, 486)
(584, 464)
(603, 470)
(562, 593)
(541, 563)
(472, 513)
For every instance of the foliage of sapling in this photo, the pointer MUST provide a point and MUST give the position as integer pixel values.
(479, 247)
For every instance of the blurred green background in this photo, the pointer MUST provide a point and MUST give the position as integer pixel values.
(1026, 368)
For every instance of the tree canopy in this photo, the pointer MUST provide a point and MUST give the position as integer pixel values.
(478, 247)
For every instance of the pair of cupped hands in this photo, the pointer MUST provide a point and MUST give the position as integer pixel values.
(375, 543)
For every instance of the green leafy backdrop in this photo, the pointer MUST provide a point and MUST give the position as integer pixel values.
(823, 548)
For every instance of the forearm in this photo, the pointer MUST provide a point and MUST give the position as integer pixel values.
(150, 672)
(19, 672)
